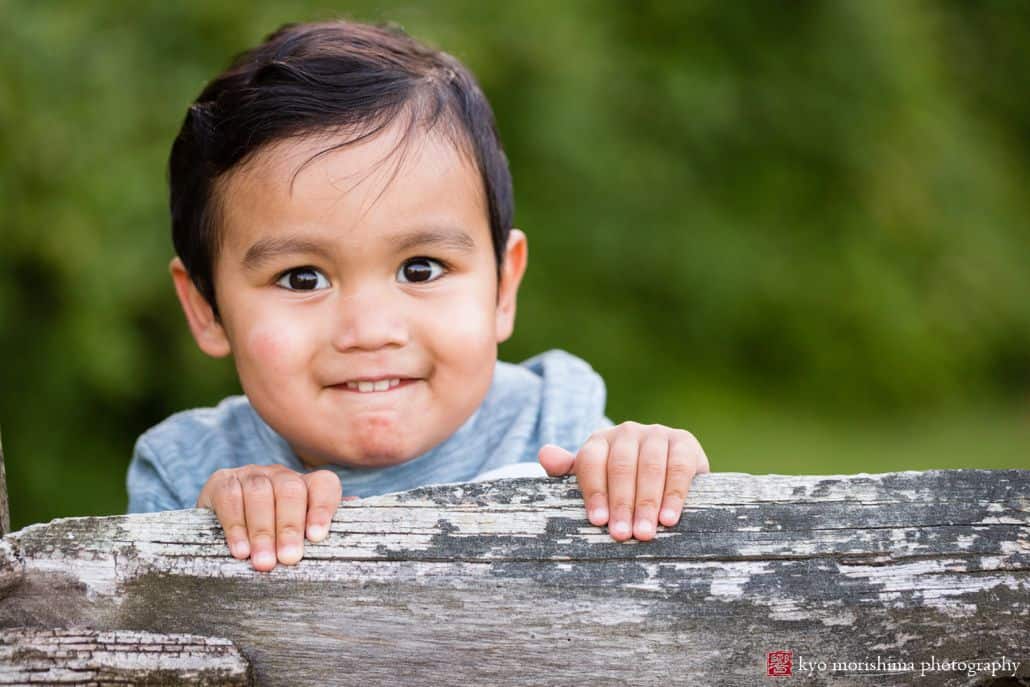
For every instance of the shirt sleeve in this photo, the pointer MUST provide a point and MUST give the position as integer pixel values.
(149, 490)
(572, 400)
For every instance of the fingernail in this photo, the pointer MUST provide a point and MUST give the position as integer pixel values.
(620, 529)
(264, 558)
(289, 553)
(669, 515)
(599, 515)
(316, 532)
(645, 527)
(240, 548)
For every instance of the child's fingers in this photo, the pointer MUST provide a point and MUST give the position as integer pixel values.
(291, 508)
(592, 477)
(685, 457)
(324, 496)
(224, 495)
(651, 462)
(622, 485)
(556, 460)
(259, 510)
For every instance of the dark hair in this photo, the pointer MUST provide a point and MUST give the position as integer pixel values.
(312, 78)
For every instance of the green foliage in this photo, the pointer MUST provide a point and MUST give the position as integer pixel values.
(817, 206)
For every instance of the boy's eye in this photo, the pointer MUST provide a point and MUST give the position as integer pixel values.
(303, 279)
(420, 270)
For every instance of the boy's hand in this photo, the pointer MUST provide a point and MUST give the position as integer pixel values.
(265, 510)
(638, 473)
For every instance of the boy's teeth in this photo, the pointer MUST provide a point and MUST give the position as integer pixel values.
(381, 385)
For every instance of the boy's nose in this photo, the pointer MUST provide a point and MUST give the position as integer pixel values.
(368, 321)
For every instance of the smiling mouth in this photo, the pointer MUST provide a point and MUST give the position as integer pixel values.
(380, 386)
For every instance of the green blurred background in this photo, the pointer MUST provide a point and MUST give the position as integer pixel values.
(799, 230)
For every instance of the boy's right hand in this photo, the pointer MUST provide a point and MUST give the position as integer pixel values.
(266, 509)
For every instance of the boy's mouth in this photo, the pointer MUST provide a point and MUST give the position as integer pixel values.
(365, 386)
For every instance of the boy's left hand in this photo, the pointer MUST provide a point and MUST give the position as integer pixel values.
(638, 473)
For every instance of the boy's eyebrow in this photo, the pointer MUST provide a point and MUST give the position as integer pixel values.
(265, 249)
(446, 237)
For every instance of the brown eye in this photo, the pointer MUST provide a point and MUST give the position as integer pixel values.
(303, 279)
(420, 270)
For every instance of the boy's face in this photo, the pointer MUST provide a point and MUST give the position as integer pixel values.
(349, 275)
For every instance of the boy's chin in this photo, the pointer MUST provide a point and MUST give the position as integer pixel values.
(369, 457)
(374, 461)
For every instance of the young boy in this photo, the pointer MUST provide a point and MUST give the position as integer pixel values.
(342, 217)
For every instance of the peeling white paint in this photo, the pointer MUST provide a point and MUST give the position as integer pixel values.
(1021, 545)
(789, 611)
(98, 576)
(966, 541)
(902, 638)
(728, 581)
(845, 618)
(1003, 520)
(930, 582)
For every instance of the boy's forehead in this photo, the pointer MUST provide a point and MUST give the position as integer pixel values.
(397, 176)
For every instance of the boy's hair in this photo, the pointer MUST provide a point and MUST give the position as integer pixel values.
(321, 78)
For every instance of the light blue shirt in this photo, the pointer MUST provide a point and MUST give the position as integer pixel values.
(552, 398)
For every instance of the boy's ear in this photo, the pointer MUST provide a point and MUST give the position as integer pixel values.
(514, 266)
(207, 330)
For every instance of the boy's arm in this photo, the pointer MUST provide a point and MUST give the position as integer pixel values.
(632, 476)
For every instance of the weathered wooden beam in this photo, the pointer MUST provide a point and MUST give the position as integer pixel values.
(507, 581)
(5, 510)
(88, 657)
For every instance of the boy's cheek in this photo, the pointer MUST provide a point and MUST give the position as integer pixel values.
(468, 317)
(463, 325)
(464, 337)
(275, 346)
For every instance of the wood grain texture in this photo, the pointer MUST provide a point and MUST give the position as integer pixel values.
(506, 582)
(85, 657)
(5, 510)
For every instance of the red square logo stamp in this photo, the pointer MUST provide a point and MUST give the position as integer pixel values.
(779, 663)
